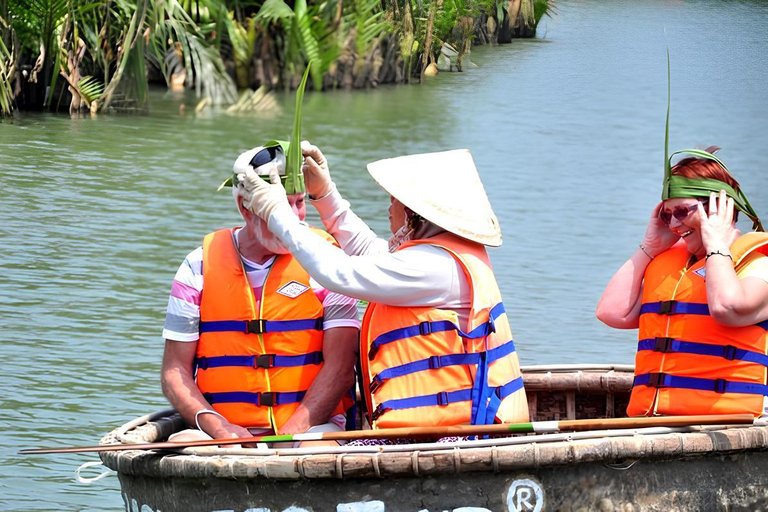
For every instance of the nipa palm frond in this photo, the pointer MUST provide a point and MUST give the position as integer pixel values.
(199, 58)
(90, 88)
(274, 11)
(6, 72)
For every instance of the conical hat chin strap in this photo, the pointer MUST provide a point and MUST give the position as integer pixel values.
(680, 186)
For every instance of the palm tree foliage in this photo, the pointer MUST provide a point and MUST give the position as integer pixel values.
(97, 54)
(112, 41)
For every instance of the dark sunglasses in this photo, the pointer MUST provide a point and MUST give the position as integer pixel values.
(680, 212)
(264, 156)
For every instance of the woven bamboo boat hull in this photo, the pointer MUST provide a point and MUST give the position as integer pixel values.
(693, 468)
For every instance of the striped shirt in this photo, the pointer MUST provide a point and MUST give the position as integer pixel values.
(182, 320)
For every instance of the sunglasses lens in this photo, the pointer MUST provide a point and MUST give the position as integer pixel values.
(263, 157)
(680, 212)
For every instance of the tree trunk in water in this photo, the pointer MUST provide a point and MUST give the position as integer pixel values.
(427, 55)
(406, 41)
(523, 23)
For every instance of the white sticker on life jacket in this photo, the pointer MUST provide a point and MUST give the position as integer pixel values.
(702, 272)
(292, 289)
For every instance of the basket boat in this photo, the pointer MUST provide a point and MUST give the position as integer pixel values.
(660, 468)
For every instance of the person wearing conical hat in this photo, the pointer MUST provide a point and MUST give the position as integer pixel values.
(436, 346)
(254, 345)
(697, 289)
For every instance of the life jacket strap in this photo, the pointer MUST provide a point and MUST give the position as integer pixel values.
(260, 326)
(674, 307)
(260, 361)
(664, 380)
(434, 362)
(443, 398)
(729, 352)
(424, 328)
(260, 399)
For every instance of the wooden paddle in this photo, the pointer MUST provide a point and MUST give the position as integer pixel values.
(538, 427)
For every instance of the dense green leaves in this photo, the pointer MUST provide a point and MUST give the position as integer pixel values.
(117, 44)
(7, 70)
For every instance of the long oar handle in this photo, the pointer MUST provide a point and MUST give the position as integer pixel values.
(426, 432)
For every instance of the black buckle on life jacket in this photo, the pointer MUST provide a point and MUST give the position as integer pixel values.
(257, 326)
(375, 383)
(663, 344)
(264, 361)
(425, 328)
(434, 362)
(267, 399)
(207, 397)
(372, 352)
(720, 385)
(376, 414)
(667, 307)
(657, 380)
(319, 324)
(201, 363)
(442, 398)
(729, 352)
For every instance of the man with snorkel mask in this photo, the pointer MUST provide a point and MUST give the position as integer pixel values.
(265, 349)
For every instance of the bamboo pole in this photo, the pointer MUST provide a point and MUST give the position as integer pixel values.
(537, 427)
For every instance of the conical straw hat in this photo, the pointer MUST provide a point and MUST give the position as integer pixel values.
(445, 189)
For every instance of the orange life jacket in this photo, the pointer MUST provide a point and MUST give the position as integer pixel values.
(421, 368)
(254, 367)
(687, 363)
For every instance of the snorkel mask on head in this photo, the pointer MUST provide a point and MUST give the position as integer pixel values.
(680, 186)
(286, 156)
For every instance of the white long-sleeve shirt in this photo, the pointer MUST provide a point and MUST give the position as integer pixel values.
(421, 275)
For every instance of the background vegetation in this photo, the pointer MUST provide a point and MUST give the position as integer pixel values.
(88, 56)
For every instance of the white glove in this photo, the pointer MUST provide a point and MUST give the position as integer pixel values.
(260, 197)
(317, 177)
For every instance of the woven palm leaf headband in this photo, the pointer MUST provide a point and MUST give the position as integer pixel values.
(293, 179)
(680, 186)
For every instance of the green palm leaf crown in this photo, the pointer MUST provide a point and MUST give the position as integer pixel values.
(680, 186)
(293, 180)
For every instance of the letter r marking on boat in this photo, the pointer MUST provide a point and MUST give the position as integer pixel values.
(525, 496)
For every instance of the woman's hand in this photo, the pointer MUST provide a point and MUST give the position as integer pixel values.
(317, 177)
(260, 197)
(658, 237)
(717, 229)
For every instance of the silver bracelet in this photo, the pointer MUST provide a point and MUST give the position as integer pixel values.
(644, 251)
(209, 411)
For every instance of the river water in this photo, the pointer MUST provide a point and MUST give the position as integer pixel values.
(567, 132)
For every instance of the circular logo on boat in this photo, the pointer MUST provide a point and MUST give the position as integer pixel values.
(525, 496)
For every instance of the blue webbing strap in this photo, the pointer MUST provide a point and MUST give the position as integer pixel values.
(261, 399)
(260, 361)
(442, 398)
(728, 352)
(498, 395)
(480, 391)
(261, 326)
(662, 380)
(673, 307)
(425, 328)
(435, 362)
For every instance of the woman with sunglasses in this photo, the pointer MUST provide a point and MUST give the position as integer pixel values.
(698, 292)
